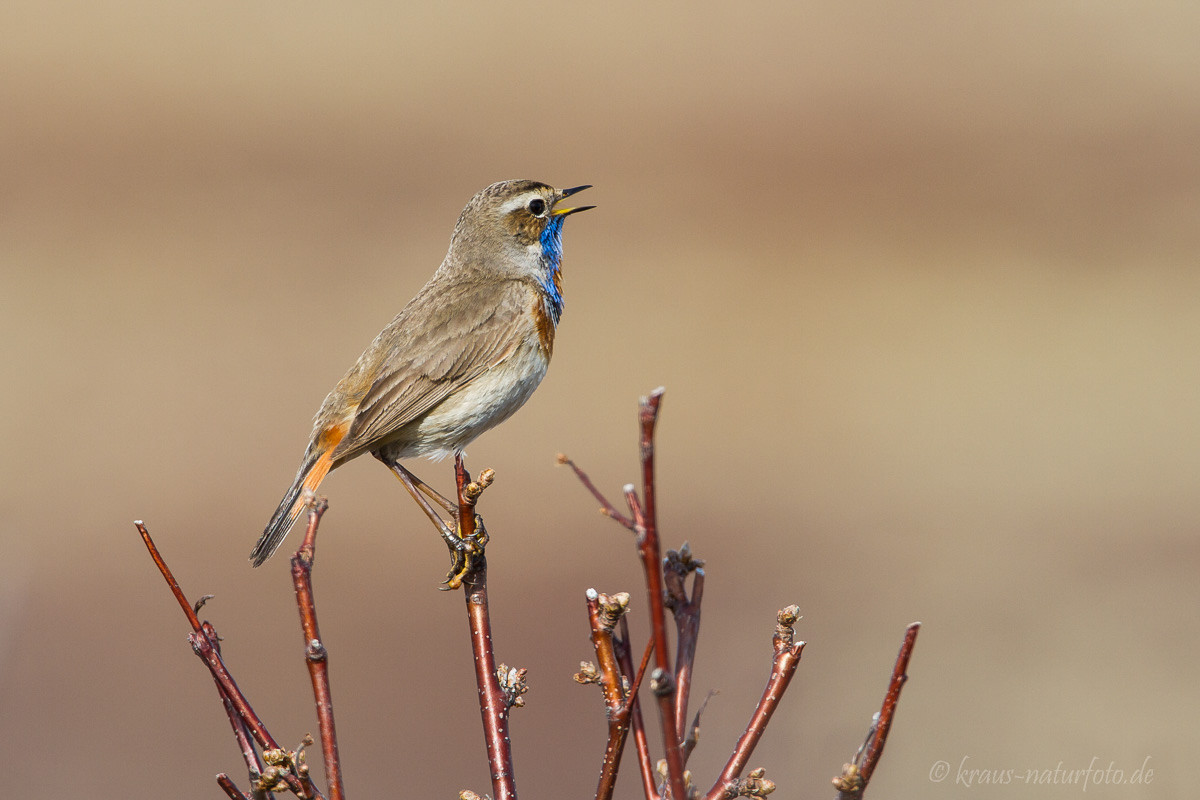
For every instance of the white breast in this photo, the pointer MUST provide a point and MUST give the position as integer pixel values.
(485, 402)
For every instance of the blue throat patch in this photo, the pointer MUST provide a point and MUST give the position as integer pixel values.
(552, 258)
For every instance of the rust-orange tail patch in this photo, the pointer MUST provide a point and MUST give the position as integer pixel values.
(312, 472)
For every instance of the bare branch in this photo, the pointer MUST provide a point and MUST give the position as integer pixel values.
(501, 688)
(493, 701)
(206, 644)
(855, 776)
(686, 610)
(604, 611)
(606, 508)
(783, 667)
(230, 788)
(315, 654)
(254, 764)
(693, 734)
(645, 766)
(662, 680)
(188, 610)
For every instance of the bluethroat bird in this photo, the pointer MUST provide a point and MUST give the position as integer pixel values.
(462, 356)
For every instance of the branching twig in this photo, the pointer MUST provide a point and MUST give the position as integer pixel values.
(783, 667)
(500, 688)
(493, 700)
(606, 508)
(644, 523)
(315, 654)
(188, 610)
(693, 735)
(243, 717)
(686, 611)
(662, 680)
(230, 788)
(645, 766)
(856, 775)
(241, 732)
(208, 654)
(603, 612)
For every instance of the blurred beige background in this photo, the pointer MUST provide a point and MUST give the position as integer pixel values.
(920, 279)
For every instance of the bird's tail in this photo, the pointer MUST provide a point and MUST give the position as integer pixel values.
(315, 467)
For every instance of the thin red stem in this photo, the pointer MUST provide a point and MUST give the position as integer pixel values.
(783, 667)
(241, 732)
(205, 644)
(315, 654)
(466, 505)
(230, 788)
(208, 654)
(606, 508)
(663, 680)
(642, 745)
(170, 578)
(686, 611)
(641, 673)
(493, 703)
(875, 743)
(603, 613)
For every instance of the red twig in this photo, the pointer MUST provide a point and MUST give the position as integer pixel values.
(686, 611)
(887, 712)
(620, 701)
(230, 788)
(644, 523)
(208, 654)
(645, 767)
(641, 673)
(206, 648)
(170, 579)
(315, 654)
(603, 613)
(855, 776)
(606, 508)
(662, 680)
(205, 644)
(693, 735)
(241, 732)
(466, 504)
(783, 667)
(493, 702)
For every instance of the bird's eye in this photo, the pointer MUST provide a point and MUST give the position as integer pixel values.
(537, 206)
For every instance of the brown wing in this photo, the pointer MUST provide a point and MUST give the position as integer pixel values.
(442, 340)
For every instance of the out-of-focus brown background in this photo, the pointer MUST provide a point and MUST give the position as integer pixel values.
(920, 279)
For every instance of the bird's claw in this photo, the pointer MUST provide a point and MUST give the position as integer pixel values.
(466, 554)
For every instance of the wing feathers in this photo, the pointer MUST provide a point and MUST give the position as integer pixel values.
(467, 329)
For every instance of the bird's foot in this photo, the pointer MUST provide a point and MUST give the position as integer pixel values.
(466, 552)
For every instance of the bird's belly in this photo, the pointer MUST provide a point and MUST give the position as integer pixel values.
(485, 402)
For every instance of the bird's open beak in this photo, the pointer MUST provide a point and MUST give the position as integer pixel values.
(562, 212)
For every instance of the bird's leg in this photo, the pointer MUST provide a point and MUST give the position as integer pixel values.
(470, 525)
(433, 494)
(466, 542)
(416, 487)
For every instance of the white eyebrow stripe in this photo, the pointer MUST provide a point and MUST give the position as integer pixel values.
(520, 201)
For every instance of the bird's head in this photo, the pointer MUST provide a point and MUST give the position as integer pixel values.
(516, 222)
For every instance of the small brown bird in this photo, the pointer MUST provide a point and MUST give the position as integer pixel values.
(462, 356)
